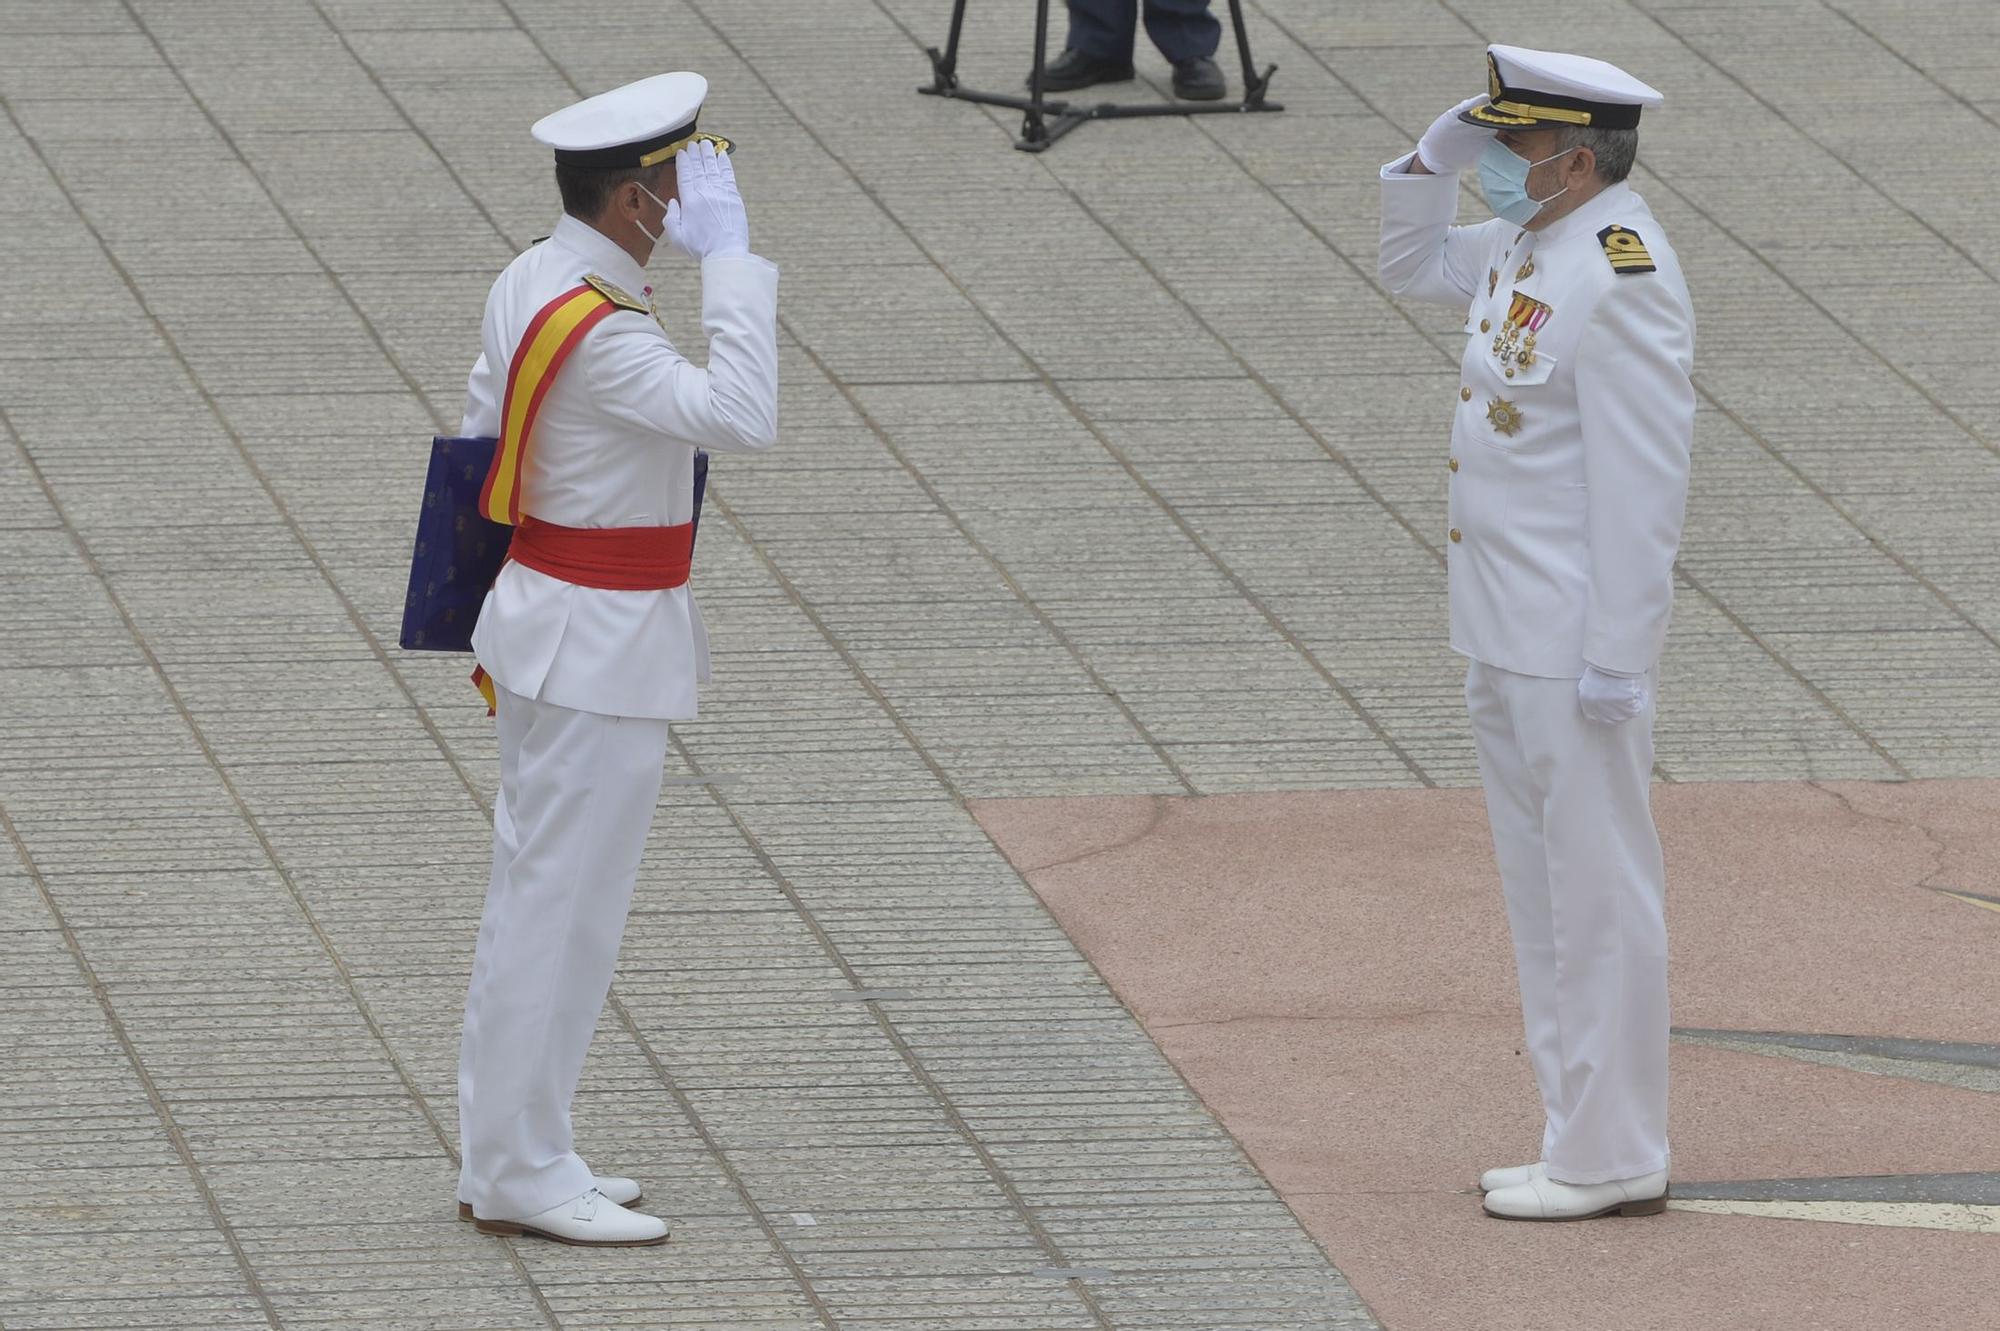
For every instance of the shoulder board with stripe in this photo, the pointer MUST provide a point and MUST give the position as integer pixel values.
(617, 295)
(1625, 250)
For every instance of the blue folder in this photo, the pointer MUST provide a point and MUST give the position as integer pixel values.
(459, 552)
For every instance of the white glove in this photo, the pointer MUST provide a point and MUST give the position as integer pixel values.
(707, 219)
(1450, 144)
(1610, 699)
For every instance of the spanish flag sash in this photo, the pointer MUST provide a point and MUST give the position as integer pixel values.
(551, 336)
(615, 559)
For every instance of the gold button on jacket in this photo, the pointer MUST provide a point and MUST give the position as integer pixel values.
(1587, 429)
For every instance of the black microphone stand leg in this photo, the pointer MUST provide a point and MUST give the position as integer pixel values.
(1044, 122)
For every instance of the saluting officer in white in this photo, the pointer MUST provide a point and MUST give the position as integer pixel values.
(1568, 480)
(587, 678)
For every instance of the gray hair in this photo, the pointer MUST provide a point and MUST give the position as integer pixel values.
(1614, 148)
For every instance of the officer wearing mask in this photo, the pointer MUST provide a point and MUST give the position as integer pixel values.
(590, 637)
(1574, 419)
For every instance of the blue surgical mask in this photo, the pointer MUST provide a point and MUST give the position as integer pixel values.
(1503, 179)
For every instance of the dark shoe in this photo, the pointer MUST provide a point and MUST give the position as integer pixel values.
(1074, 69)
(1199, 79)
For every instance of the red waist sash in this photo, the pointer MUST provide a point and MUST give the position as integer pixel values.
(618, 559)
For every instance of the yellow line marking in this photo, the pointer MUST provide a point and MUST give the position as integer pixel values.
(1961, 1216)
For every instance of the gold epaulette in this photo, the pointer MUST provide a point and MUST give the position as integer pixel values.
(1625, 250)
(616, 294)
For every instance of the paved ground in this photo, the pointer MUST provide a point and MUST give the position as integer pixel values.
(1822, 1180)
(1106, 473)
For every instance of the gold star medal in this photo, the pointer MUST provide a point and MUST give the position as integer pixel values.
(1504, 416)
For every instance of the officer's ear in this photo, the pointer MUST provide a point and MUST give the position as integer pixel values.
(1582, 165)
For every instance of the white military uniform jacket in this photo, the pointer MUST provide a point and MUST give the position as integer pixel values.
(614, 447)
(1569, 464)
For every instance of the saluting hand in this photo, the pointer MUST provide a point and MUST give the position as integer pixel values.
(707, 219)
(1450, 144)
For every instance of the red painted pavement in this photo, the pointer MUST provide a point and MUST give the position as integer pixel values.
(1330, 972)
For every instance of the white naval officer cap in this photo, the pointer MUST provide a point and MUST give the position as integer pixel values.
(1537, 89)
(640, 124)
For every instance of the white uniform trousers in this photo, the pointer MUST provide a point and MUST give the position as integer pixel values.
(577, 791)
(1585, 886)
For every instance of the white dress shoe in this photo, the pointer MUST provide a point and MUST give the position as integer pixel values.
(589, 1221)
(1545, 1199)
(623, 1191)
(1511, 1176)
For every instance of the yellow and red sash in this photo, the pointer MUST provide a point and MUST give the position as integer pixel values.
(613, 558)
(551, 336)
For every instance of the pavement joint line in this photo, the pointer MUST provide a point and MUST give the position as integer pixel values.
(1027, 1213)
(1964, 254)
(1926, 75)
(718, 1153)
(354, 617)
(1784, 662)
(1846, 515)
(209, 400)
(1957, 1053)
(464, 187)
(1728, 612)
(139, 639)
(389, 358)
(276, 862)
(998, 565)
(1069, 403)
(161, 1110)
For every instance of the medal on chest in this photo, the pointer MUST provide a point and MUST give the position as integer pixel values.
(1514, 344)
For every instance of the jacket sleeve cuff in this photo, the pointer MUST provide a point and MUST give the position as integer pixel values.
(737, 263)
(1399, 170)
(1417, 200)
(1627, 656)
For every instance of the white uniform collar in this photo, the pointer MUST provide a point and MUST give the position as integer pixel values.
(601, 255)
(1607, 207)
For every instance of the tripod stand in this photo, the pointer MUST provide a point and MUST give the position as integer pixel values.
(1047, 121)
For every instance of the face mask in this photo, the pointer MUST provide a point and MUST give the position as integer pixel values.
(660, 239)
(1503, 179)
